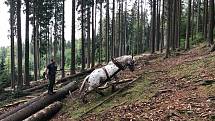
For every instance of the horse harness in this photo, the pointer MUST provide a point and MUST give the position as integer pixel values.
(118, 65)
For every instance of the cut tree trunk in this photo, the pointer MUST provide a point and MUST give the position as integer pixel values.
(46, 113)
(41, 103)
(19, 107)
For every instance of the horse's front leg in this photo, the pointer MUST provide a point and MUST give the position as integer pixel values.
(113, 86)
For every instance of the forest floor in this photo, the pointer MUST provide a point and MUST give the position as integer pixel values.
(178, 88)
(181, 87)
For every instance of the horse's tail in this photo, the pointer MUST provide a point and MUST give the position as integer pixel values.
(83, 83)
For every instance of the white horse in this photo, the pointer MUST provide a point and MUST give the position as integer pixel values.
(103, 75)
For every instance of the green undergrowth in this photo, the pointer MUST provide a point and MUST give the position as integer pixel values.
(138, 91)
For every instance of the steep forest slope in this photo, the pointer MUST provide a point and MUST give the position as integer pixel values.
(177, 88)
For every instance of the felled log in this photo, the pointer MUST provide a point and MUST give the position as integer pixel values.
(46, 113)
(58, 81)
(19, 107)
(41, 103)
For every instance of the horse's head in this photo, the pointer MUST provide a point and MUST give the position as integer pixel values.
(130, 63)
(123, 62)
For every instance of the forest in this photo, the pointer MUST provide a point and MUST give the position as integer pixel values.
(172, 42)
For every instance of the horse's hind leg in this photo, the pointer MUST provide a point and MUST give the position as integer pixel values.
(113, 86)
(83, 98)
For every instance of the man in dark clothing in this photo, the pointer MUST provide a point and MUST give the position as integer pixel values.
(52, 68)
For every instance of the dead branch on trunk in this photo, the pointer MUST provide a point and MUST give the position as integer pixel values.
(15, 103)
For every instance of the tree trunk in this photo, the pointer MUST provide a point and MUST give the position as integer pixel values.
(211, 22)
(158, 25)
(27, 80)
(46, 113)
(38, 47)
(107, 56)
(205, 19)
(82, 36)
(35, 42)
(198, 23)
(122, 29)
(138, 27)
(173, 27)
(63, 45)
(168, 29)
(73, 40)
(88, 37)
(119, 31)
(93, 37)
(55, 31)
(41, 103)
(12, 13)
(187, 41)
(192, 22)
(19, 43)
(101, 35)
(113, 31)
(126, 29)
(162, 28)
(153, 26)
(178, 22)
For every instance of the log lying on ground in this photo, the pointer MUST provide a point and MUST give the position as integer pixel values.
(20, 107)
(41, 103)
(46, 113)
(59, 81)
(39, 87)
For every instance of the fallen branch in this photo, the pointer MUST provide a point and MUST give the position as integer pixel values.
(207, 82)
(41, 103)
(15, 103)
(110, 97)
(159, 92)
(115, 82)
(46, 113)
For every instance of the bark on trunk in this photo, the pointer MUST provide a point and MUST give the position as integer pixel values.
(73, 40)
(46, 113)
(187, 42)
(41, 103)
